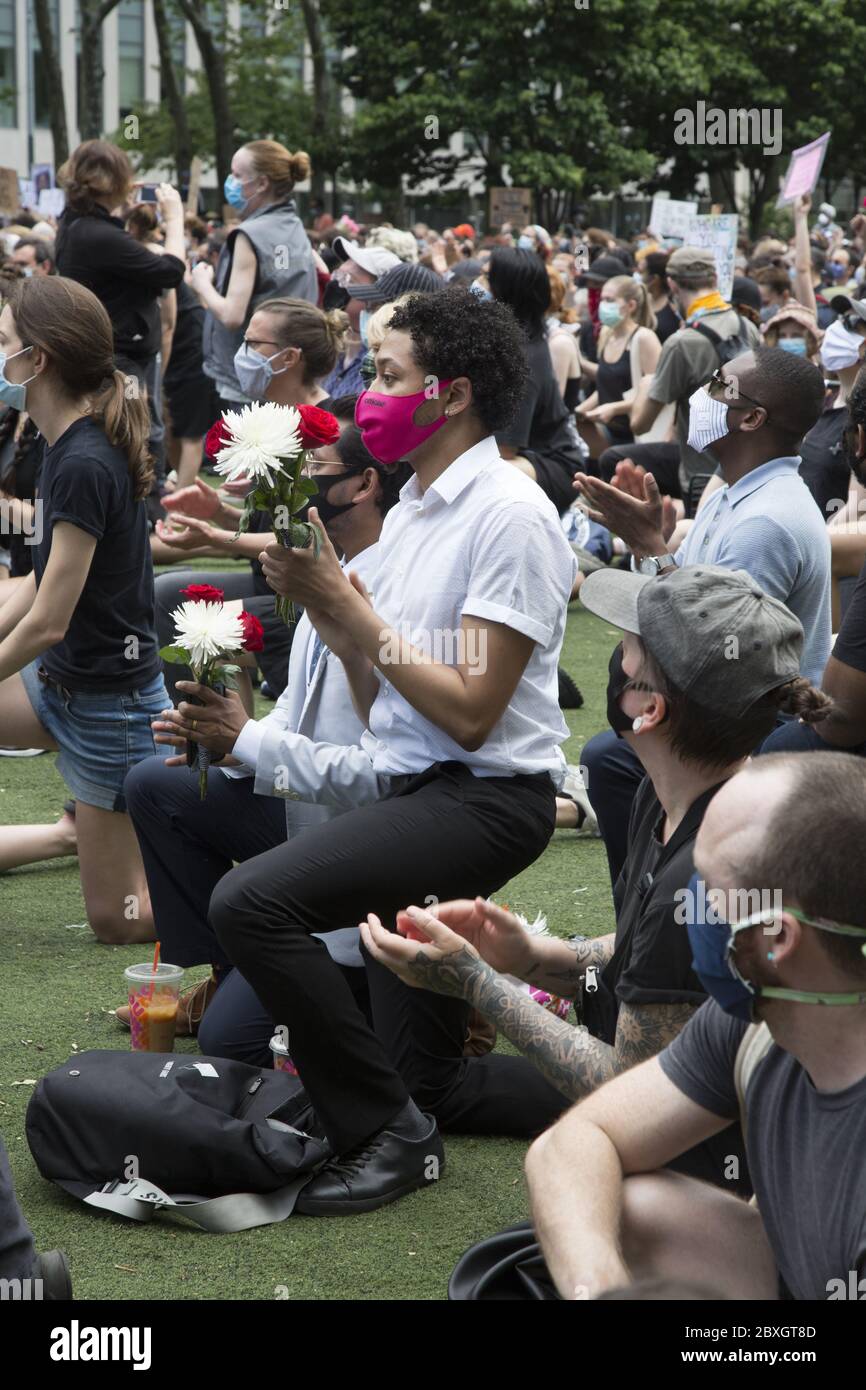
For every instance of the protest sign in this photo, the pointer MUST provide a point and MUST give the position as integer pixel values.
(10, 196)
(804, 170)
(52, 201)
(718, 234)
(512, 205)
(668, 216)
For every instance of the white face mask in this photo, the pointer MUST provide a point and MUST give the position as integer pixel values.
(708, 420)
(840, 347)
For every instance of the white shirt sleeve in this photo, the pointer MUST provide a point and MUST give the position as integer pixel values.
(248, 743)
(522, 572)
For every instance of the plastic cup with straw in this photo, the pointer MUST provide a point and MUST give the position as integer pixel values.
(153, 990)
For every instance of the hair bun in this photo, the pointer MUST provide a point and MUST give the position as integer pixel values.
(299, 166)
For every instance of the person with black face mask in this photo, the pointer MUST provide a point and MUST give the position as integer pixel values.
(781, 1044)
(311, 735)
(691, 716)
(288, 346)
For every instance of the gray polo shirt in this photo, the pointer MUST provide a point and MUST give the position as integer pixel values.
(768, 525)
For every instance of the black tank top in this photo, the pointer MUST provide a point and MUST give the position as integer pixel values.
(614, 378)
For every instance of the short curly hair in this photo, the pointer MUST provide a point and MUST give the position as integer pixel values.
(457, 333)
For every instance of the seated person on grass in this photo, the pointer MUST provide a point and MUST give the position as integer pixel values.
(607, 1208)
(692, 716)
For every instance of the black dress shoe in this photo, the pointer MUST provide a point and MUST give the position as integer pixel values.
(376, 1172)
(51, 1267)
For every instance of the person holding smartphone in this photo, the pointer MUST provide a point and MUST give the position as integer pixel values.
(126, 276)
(80, 670)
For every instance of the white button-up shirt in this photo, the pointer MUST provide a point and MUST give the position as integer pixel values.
(482, 541)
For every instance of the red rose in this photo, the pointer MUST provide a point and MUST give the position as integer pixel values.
(217, 437)
(317, 427)
(254, 633)
(202, 593)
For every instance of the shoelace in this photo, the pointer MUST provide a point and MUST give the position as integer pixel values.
(352, 1162)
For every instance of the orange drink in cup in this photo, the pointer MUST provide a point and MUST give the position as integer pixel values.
(153, 995)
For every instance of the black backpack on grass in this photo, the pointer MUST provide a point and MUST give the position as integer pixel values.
(224, 1144)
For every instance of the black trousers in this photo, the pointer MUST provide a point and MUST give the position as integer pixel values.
(662, 460)
(17, 1251)
(439, 835)
(188, 846)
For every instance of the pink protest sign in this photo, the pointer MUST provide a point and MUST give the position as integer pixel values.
(802, 173)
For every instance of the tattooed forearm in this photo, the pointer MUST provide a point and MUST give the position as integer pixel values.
(571, 1058)
(560, 965)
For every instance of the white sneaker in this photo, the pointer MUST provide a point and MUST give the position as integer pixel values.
(21, 752)
(573, 788)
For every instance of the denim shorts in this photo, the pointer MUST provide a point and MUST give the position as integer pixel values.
(99, 736)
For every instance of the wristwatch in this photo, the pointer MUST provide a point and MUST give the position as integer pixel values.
(656, 564)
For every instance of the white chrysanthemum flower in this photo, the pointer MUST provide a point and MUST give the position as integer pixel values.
(206, 630)
(264, 435)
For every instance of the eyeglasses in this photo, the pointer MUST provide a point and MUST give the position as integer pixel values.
(717, 383)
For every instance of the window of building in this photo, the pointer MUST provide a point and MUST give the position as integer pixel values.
(8, 103)
(130, 49)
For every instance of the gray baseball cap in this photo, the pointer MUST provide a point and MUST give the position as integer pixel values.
(715, 634)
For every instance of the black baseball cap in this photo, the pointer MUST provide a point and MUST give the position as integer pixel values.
(402, 279)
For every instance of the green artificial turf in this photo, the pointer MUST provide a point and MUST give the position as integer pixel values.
(59, 984)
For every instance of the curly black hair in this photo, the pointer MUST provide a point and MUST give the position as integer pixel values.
(457, 333)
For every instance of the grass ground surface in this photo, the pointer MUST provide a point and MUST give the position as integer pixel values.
(59, 984)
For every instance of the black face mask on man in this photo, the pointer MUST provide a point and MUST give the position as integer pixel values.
(327, 510)
(617, 685)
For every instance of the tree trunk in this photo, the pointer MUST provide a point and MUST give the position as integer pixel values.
(54, 82)
(90, 114)
(174, 95)
(321, 108)
(215, 71)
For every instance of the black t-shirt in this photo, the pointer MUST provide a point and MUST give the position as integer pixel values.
(805, 1151)
(542, 424)
(667, 322)
(652, 959)
(185, 362)
(850, 645)
(111, 642)
(94, 249)
(824, 468)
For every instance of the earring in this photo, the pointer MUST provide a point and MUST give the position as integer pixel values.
(637, 724)
(770, 956)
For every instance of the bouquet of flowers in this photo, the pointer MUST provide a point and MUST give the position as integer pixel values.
(206, 637)
(267, 444)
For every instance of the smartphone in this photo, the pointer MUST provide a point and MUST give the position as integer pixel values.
(147, 193)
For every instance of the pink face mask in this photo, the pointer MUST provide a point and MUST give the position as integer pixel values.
(387, 423)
